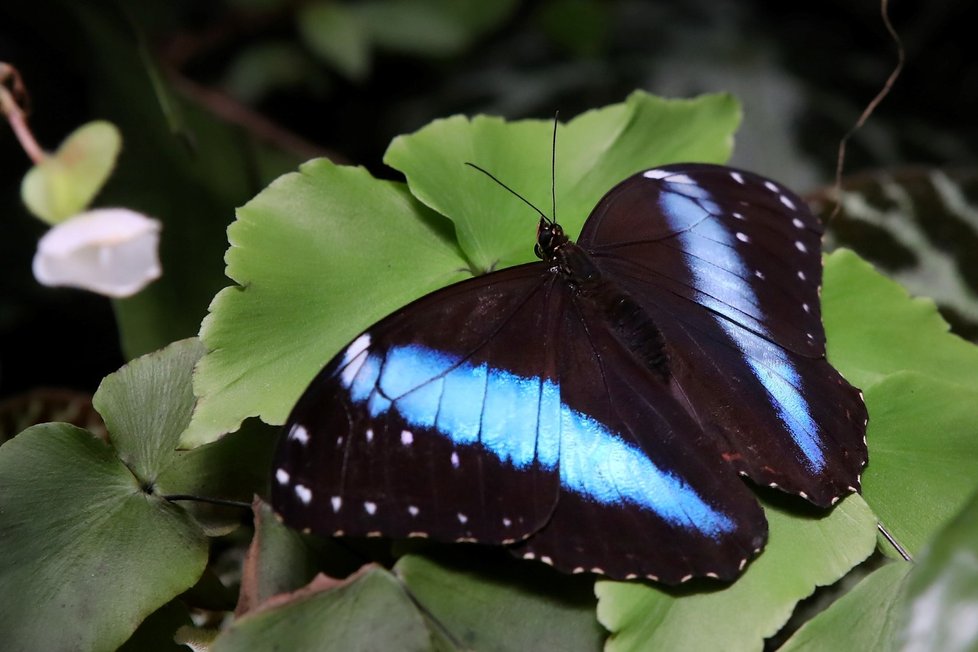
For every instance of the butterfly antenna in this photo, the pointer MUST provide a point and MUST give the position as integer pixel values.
(553, 169)
(521, 197)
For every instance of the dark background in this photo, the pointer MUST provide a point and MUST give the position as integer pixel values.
(803, 72)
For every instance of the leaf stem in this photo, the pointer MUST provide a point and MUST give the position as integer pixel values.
(212, 501)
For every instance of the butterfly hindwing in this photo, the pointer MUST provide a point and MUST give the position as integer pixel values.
(643, 491)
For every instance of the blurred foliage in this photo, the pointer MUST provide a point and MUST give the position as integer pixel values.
(215, 99)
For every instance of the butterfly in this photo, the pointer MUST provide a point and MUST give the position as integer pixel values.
(594, 409)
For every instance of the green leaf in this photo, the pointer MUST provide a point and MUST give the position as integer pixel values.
(867, 618)
(923, 464)
(147, 404)
(877, 329)
(320, 255)
(802, 553)
(260, 70)
(595, 151)
(87, 554)
(432, 28)
(504, 606)
(369, 611)
(929, 605)
(235, 467)
(334, 32)
(66, 182)
(942, 590)
(278, 561)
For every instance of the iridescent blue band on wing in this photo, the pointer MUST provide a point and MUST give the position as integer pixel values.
(521, 421)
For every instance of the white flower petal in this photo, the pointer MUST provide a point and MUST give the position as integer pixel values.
(111, 251)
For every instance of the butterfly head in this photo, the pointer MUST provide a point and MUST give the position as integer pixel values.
(550, 236)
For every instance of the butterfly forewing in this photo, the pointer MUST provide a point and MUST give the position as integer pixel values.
(733, 285)
(422, 426)
(724, 239)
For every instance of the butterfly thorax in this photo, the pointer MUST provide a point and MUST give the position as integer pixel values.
(630, 323)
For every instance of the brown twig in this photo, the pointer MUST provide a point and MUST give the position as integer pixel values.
(253, 122)
(871, 107)
(13, 99)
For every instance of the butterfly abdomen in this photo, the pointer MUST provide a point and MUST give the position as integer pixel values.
(632, 326)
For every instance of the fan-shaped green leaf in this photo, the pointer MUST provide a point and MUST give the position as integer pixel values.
(87, 554)
(504, 605)
(802, 553)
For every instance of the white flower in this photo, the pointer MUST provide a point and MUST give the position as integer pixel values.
(111, 251)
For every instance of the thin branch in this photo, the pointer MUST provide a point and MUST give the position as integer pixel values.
(11, 100)
(871, 107)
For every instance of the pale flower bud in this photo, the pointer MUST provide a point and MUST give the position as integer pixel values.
(111, 251)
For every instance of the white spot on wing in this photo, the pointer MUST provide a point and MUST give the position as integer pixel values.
(806, 307)
(743, 237)
(358, 346)
(798, 223)
(802, 276)
(462, 518)
(506, 522)
(303, 493)
(455, 460)
(770, 186)
(282, 476)
(787, 202)
(680, 178)
(299, 434)
(369, 434)
(353, 359)
(739, 216)
(737, 176)
(412, 510)
(656, 174)
(800, 246)
(407, 437)
(337, 502)
(370, 508)
(759, 274)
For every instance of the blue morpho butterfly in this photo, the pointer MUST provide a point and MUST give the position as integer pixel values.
(593, 410)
